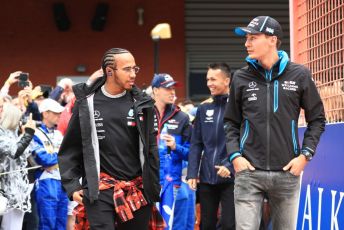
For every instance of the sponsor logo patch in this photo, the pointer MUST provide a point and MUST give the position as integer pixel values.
(290, 85)
(209, 115)
(252, 86)
(253, 97)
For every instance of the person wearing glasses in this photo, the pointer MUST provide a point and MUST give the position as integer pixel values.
(111, 144)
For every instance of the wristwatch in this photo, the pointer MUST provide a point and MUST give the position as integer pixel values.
(307, 154)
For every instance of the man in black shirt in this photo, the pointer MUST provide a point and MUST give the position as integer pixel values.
(111, 144)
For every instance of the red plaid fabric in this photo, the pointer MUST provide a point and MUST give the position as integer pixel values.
(81, 222)
(127, 196)
(127, 199)
(156, 221)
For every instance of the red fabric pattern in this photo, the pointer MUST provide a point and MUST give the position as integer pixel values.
(127, 198)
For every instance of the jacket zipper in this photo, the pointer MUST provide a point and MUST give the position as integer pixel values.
(268, 123)
(244, 136)
(293, 136)
(216, 131)
(161, 122)
(275, 96)
(160, 119)
(138, 107)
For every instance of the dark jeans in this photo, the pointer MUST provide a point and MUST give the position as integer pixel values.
(101, 214)
(210, 198)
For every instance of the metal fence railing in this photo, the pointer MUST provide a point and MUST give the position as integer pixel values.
(319, 44)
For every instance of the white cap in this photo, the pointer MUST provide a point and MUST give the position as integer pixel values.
(50, 105)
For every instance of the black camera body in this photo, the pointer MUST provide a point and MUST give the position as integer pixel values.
(23, 80)
(23, 121)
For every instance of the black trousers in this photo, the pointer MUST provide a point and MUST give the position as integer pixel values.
(101, 214)
(210, 198)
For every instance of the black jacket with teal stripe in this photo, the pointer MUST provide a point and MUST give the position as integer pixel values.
(261, 118)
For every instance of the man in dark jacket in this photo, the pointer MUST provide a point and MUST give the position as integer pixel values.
(111, 144)
(261, 119)
(208, 137)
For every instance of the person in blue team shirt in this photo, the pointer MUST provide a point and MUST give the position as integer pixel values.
(173, 128)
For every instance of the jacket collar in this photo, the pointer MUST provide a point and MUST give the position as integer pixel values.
(83, 90)
(279, 66)
(170, 109)
(46, 129)
(220, 99)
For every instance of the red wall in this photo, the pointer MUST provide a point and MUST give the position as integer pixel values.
(30, 41)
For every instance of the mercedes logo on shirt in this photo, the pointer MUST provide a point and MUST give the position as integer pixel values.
(96, 114)
(252, 84)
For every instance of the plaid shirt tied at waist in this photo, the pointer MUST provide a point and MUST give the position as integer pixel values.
(127, 196)
(127, 199)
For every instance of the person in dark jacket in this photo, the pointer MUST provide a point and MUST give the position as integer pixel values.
(208, 136)
(261, 127)
(111, 144)
(174, 133)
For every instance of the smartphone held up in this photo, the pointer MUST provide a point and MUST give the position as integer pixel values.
(23, 80)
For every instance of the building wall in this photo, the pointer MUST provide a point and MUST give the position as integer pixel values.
(31, 42)
(209, 35)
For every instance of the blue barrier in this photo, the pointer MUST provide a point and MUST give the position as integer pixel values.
(321, 204)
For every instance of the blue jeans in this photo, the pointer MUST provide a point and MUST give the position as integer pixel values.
(282, 190)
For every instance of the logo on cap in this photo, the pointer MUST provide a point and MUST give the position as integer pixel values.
(168, 77)
(261, 24)
(269, 30)
(163, 80)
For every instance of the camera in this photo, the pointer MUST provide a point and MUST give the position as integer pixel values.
(23, 121)
(23, 80)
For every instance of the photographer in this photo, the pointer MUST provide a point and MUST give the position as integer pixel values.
(29, 106)
(25, 100)
(63, 92)
(13, 78)
(13, 158)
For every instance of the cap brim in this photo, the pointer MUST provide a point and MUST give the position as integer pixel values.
(58, 110)
(242, 31)
(54, 110)
(170, 84)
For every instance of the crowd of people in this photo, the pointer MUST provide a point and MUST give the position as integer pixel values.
(107, 155)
